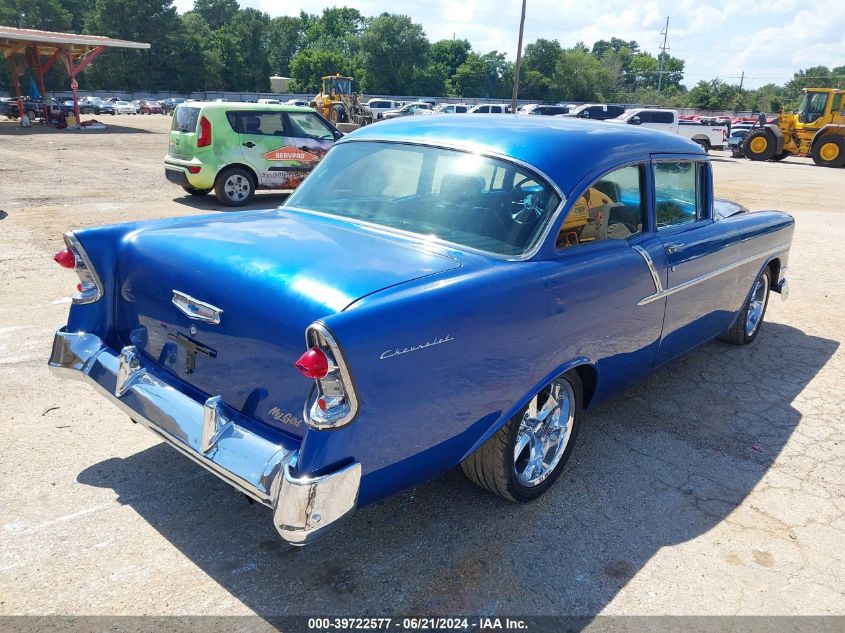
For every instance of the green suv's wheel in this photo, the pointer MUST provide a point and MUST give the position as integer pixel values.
(829, 151)
(759, 145)
(234, 187)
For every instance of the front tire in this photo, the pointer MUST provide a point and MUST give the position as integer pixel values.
(750, 319)
(759, 145)
(525, 457)
(234, 187)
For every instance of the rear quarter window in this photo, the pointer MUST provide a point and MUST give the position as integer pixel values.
(185, 119)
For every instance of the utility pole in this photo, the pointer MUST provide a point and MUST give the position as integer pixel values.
(741, 81)
(665, 35)
(518, 60)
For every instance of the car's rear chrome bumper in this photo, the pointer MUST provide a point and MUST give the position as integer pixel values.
(249, 456)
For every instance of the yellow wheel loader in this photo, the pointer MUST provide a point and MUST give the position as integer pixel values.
(339, 104)
(817, 130)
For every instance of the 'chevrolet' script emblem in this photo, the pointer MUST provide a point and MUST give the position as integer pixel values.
(196, 309)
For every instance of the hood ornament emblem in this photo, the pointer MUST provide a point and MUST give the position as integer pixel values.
(196, 309)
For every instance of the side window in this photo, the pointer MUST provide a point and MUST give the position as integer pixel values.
(461, 109)
(260, 123)
(610, 209)
(308, 125)
(646, 116)
(679, 192)
(663, 117)
(836, 105)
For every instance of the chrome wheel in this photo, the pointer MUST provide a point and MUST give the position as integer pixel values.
(757, 305)
(237, 187)
(544, 432)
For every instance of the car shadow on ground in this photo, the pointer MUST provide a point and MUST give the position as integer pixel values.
(262, 200)
(659, 464)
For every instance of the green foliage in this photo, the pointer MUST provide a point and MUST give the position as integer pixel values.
(221, 46)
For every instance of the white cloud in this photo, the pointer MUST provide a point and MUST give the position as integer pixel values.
(717, 38)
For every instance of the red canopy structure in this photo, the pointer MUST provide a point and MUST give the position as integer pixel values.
(39, 50)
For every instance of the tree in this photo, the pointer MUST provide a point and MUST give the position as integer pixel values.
(244, 41)
(216, 13)
(449, 53)
(487, 75)
(286, 38)
(579, 76)
(153, 21)
(48, 15)
(309, 65)
(392, 48)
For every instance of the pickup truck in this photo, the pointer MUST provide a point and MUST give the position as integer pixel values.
(708, 136)
(34, 108)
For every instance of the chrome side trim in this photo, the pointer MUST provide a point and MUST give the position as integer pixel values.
(715, 273)
(258, 464)
(658, 285)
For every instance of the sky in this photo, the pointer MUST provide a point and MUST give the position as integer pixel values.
(768, 41)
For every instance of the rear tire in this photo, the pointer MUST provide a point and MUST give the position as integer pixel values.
(525, 457)
(32, 115)
(234, 187)
(705, 145)
(829, 151)
(337, 114)
(749, 321)
(759, 145)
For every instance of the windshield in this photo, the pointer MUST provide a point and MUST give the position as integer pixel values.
(476, 201)
(340, 85)
(812, 106)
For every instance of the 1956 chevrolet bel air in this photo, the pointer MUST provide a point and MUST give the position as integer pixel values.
(465, 287)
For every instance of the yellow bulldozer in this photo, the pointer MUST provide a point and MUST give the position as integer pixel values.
(339, 104)
(817, 130)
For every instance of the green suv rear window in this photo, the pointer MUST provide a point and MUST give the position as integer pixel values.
(185, 119)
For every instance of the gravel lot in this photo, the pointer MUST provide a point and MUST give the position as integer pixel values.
(714, 487)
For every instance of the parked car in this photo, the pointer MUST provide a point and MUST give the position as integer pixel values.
(408, 109)
(95, 105)
(270, 101)
(124, 107)
(446, 108)
(736, 137)
(236, 148)
(596, 112)
(380, 106)
(34, 108)
(149, 106)
(467, 293)
(169, 105)
(301, 103)
(490, 108)
(708, 136)
(549, 110)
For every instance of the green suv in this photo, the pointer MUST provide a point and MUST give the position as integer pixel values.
(236, 148)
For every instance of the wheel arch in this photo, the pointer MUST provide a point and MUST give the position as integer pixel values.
(587, 373)
(243, 166)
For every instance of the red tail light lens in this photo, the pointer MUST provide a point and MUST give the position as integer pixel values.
(204, 139)
(65, 258)
(194, 170)
(313, 364)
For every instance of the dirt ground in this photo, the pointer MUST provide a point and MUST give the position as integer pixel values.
(714, 487)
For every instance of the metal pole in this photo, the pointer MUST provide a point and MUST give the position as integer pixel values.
(518, 61)
(741, 80)
(662, 55)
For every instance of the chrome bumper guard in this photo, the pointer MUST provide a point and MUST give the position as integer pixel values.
(254, 462)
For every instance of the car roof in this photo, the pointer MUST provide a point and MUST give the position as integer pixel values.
(240, 105)
(565, 149)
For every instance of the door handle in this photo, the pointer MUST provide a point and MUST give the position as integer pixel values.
(249, 144)
(673, 248)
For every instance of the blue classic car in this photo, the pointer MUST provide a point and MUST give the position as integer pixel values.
(465, 288)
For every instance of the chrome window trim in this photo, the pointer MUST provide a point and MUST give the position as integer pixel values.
(310, 342)
(75, 245)
(541, 239)
(714, 273)
(658, 285)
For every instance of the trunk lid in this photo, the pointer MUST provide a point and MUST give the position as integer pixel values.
(270, 274)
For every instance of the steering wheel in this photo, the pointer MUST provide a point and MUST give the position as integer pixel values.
(528, 206)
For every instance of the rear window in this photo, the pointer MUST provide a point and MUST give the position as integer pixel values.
(185, 119)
